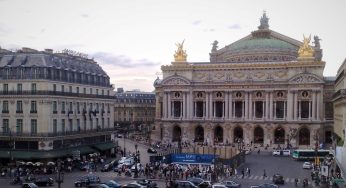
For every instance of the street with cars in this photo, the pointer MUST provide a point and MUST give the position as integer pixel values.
(265, 167)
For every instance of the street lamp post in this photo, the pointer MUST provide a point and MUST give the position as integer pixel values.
(59, 178)
(214, 172)
(316, 158)
(124, 153)
(136, 160)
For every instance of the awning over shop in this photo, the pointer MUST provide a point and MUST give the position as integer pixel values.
(105, 146)
(45, 154)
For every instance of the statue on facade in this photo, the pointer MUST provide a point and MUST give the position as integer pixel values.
(264, 21)
(180, 54)
(305, 51)
(215, 43)
(317, 42)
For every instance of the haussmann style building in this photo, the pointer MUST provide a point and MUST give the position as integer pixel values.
(53, 105)
(265, 88)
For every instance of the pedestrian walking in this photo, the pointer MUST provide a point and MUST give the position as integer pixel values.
(235, 172)
(242, 172)
(264, 173)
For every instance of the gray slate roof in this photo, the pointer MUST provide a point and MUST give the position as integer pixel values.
(56, 60)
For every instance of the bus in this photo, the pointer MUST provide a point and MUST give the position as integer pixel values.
(310, 154)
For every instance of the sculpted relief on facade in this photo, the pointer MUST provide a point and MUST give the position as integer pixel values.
(306, 78)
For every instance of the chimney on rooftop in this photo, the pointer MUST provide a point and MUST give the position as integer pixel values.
(50, 51)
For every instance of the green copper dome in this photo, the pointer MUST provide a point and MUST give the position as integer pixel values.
(262, 44)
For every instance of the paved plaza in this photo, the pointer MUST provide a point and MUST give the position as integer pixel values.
(286, 166)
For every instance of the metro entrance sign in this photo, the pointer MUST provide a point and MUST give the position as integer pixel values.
(192, 158)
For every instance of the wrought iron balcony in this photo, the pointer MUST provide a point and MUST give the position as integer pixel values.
(55, 93)
(55, 134)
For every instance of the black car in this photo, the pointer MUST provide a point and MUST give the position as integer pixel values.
(110, 166)
(278, 179)
(44, 181)
(195, 181)
(147, 183)
(152, 150)
(232, 184)
(86, 181)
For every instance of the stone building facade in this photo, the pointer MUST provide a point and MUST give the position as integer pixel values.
(53, 104)
(134, 108)
(265, 88)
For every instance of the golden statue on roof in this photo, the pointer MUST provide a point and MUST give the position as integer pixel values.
(180, 54)
(306, 51)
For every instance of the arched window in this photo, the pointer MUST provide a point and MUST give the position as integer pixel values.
(258, 135)
(279, 136)
(304, 136)
(199, 134)
(237, 134)
(218, 134)
(176, 134)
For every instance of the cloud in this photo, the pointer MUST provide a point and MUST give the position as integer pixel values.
(84, 15)
(234, 26)
(196, 22)
(209, 30)
(122, 60)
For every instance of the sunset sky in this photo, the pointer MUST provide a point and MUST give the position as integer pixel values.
(131, 39)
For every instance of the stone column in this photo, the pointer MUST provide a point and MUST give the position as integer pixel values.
(183, 107)
(271, 106)
(190, 105)
(194, 109)
(266, 116)
(164, 105)
(275, 110)
(295, 105)
(226, 114)
(246, 105)
(318, 117)
(211, 105)
(207, 105)
(251, 108)
(230, 110)
(285, 110)
(169, 105)
(313, 105)
(289, 105)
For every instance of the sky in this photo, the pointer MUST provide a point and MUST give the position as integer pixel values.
(132, 39)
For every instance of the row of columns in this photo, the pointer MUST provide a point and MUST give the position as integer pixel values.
(292, 106)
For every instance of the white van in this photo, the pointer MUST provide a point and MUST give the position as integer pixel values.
(281, 153)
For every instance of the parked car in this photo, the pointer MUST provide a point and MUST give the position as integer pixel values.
(265, 185)
(278, 179)
(44, 181)
(113, 184)
(139, 167)
(281, 153)
(109, 166)
(195, 181)
(147, 183)
(205, 184)
(152, 150)
(87, 180)
(232, 184)
(184, 184)
(29, 185)
(219, 185)
(134, 185)
(102, 185)
(307, 165)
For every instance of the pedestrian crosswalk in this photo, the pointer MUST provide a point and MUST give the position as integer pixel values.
(264, 178)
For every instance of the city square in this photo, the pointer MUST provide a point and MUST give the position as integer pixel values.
(186, 94)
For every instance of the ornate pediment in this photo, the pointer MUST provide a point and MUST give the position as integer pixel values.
(175, 80)
(305, 78)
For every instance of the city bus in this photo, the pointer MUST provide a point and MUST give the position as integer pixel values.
(303, 154)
